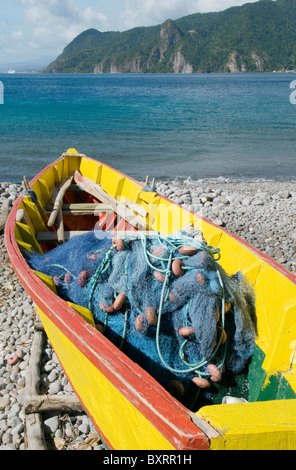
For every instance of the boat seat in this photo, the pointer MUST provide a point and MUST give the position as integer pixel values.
(82, 208)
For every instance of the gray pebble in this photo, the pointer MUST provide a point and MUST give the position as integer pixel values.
(51, 425)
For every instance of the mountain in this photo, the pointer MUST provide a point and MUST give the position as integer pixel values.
(255, 37)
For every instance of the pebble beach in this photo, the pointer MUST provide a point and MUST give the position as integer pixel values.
(261, 213)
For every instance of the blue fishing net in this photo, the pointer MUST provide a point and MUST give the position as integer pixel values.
(163, 300)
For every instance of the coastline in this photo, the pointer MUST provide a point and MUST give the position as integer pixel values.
(260, 212)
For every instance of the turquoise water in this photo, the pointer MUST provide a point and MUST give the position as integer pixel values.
(168, 126)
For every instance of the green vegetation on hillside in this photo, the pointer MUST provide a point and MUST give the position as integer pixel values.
(255, 37)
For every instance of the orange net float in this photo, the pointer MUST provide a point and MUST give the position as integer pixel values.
(214, 373)
(119, 243)
(158, 251)
(151, 316)
(83, 278)
(186, 331)
(200, 382)
(224, 335)
(106, 308)
(68, 278)
(160, 277)
(141, 323)
(119, 301)
(187, 250)
(176, 388)
(177, 267)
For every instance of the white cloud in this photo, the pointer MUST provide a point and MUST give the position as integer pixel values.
(34, 28)
(151, 12)
(203, 6)
(49, 25)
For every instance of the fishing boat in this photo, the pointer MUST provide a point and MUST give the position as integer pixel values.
(128, 407)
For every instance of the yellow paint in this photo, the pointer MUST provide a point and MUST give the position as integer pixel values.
(269, 425)
(33, 215)
(109, 180)
(58, 171)
(24, 246)
(73, 163)
(84, 312)
(252, 272)
(48, 281)
(169, 217)
(50, 181)
(275, 302)
(279, 357)
(97, 392)
(88, 168)
(293, 353)
(24, 234)
(41, 191)
(290, 377)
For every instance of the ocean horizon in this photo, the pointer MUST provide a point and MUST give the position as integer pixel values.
(195, 127)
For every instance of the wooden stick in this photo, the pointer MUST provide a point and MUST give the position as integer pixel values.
(58, 195)
(119, 208)
(41, 403)
(34, 425)
(26, 183)
(60, 228)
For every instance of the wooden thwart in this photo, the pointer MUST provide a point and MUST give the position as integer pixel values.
(121, 209)
(83, 208)
(43, 237)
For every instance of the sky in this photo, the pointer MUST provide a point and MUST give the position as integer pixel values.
(32, 29)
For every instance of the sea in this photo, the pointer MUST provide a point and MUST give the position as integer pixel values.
(197, 127)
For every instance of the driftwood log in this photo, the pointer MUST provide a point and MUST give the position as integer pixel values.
(34, 425)
(35, 404)
(40, 403)
(4, 214)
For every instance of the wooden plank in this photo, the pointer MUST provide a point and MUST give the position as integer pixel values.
(60, 227)
(135, 207)
(58, 195)
(41, 403)
(83, 208)
(34, 425)
(52, 236)
(122, 210)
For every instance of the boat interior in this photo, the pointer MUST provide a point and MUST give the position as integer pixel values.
(77, 194)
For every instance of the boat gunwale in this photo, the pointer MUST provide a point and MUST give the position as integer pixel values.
(179, 429)
(81, 333)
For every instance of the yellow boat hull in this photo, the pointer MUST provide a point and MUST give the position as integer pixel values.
(128, 407)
